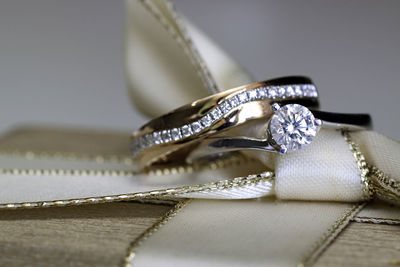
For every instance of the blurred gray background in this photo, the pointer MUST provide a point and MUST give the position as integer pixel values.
(61, 61)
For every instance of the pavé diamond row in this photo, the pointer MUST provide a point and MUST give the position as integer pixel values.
(214, 115)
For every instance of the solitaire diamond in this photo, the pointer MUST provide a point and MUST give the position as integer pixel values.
(292, 127)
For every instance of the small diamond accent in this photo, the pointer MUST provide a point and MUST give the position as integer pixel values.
(310, 90)
(157, 138)
(314, 91)
(272, 93)
(176, 134)
(148, 140)
(242, 97)
(234, 102)
(206, 121)
(281, 91)
(196, 127)
(292, 127)
(297, 90)
(289, 91)
(253, 94)
(225, 107)
(186, 131)
(263, 93)
(216, 113)
(166, 136)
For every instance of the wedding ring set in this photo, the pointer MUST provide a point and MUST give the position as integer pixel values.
(213, 126)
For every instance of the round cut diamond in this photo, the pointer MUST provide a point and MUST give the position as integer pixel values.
(292, 127)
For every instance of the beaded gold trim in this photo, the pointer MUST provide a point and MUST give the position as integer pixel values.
(97, 158)
(386, 181)
(376, 220)
(361, 164)
(164, 193)
(376, 182)
(385, 188)
(131, 252)
(331, 234)
(220, 163)
(67, 172)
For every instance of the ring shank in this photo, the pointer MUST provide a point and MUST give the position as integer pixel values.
(352, 122)
(220, 145)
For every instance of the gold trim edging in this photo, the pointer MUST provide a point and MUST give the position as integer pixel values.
(331, 234)
(361, 164)
(220, 163)
(131, 252)
(182, 38)
(376, 220)
(164, 193)
(97, 158)
(376, 182)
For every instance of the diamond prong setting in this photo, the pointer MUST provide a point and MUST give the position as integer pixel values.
(283, 150)
(293, 127)
(275, 107)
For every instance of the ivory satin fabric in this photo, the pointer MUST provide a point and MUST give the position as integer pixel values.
(261, 232)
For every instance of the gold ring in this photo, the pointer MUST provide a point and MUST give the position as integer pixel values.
(171, 137)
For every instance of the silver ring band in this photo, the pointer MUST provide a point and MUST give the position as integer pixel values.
(292, 127)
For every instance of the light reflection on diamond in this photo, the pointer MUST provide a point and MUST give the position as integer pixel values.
(157, 138)
(293, 126)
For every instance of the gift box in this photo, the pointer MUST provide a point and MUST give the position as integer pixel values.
(76, 197)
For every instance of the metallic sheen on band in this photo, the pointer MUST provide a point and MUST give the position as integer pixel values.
(172, 136)
(290, 128)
